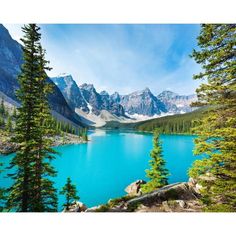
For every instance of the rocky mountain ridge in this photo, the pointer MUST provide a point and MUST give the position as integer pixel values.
(11, 55)
(83, 104)
(139, 103)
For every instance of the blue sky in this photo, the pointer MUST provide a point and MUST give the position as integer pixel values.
(120, 57)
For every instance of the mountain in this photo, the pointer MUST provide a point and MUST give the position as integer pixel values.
(71, 92)
(97, 108)
(11, 55)
(72, 101)
(113, 106)
(175, 103)
(11, 59)
(93, 98)
(141, 103)
(86, 98)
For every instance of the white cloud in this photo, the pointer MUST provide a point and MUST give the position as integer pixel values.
(117, 60)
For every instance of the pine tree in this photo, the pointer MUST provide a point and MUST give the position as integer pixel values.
(2, 195)
(2, 122)
(157, 173)
(85, 135)
(14, 113)
(45, 197)
(216, 132)
(32, 189)
(2, 107)
(9, 124)
(69, 190)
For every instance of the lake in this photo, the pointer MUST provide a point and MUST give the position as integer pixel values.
(102, 168)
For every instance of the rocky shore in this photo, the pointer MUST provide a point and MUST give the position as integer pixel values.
(8, 147)
(178, 197)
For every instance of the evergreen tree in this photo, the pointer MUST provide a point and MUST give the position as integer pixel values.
(45, 197)
(216, 132)
(9, 124)
(2, 195)
(69, 190)
(2, 122)
(32, 189)
(84, 135)
(157, 173)
(2, 107)
(14, 113)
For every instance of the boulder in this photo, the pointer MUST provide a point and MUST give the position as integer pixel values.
(178, 191)
(93, 209)
(134, 189)
(181, 203)
(76, 207)
(166, 207)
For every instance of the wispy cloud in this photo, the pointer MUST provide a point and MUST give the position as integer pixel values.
(122, 58)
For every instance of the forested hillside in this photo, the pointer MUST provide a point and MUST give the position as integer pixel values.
(181, 123)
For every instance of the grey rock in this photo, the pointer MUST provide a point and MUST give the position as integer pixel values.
(142, 103)
(76, 207)
(11, 55)
(71, 92)
(175, 103)
(177, 191)
(181, 203)
(134, 189)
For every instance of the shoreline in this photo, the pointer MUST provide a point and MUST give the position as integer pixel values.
(7, 147)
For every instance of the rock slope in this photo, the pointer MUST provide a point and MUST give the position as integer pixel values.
(178, 197)
(11, 59)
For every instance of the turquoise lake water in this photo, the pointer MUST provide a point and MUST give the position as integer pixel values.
(102, 168)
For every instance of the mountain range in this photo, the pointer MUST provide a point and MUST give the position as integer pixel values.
(139, 104)
(11, 55)
(83, 104)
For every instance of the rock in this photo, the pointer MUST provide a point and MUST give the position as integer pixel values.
(93, 209)
(192, 181)
(198, 188)
(181, 203)
(76, 207)
(134, 189)
(166, 206)
(178, 191)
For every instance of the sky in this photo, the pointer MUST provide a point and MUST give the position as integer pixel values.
(122, 57)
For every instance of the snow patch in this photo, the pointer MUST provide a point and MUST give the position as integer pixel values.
(139, 117)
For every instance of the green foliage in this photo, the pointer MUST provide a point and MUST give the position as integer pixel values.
(83, 133)
(157, 173)
(7, 117)
(14, 115)
(33, 188)
(2, 198)
(69, 190)
(9, 124)
(2, 107)
(2, 195)
(133, 206)
(2, 121)
(114, 202)
(216, 131)
(176, 124)
(103, 208)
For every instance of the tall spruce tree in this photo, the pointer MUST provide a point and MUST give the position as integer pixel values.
(2, 194)
(217, 131)
(69, 190)
(32, 189)
(158, 174)
(2, 107)
(45, 197)
(9, 124)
